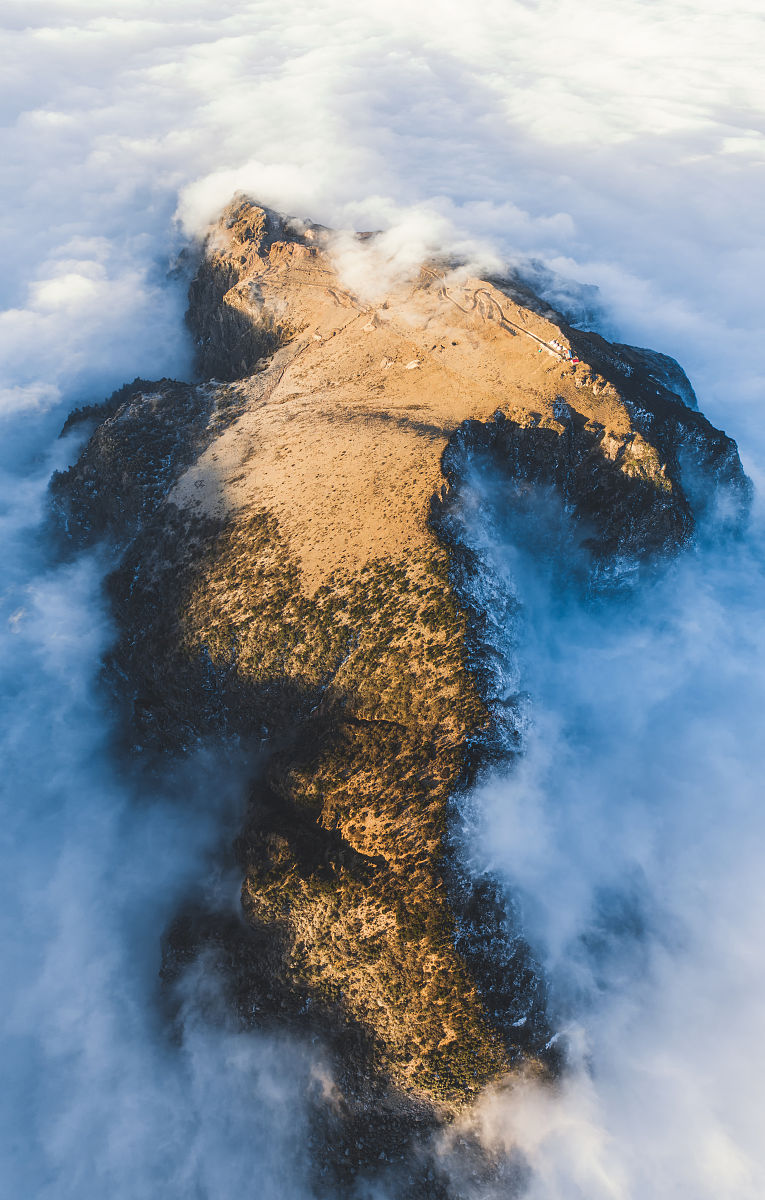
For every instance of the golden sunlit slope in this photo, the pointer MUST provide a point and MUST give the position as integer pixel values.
(344, 425)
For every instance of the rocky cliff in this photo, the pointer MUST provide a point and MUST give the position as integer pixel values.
(293, 580)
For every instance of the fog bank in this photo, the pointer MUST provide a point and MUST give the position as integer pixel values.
(97, 1098)
(631, 834)
(621, 146)
(624, 148)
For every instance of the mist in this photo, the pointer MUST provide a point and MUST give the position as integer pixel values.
(630, 835)
(98, 1098)
(620, 147)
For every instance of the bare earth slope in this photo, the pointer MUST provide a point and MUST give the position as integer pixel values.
(288, 581)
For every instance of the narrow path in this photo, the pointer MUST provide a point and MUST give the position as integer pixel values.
(504, 320)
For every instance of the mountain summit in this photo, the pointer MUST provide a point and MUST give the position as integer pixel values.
(297, 577)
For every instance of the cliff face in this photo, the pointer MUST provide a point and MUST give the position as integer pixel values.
(292, 579)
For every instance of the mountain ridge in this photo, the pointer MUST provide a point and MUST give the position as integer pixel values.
(290, 581)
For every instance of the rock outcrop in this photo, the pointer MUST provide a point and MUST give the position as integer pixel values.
(287, 582)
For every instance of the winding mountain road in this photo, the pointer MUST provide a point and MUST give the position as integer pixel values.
(504, 320)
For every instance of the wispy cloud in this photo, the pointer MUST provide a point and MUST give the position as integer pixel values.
(631, 833)
(624, 146)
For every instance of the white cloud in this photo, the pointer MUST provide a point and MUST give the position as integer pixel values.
(552, 129)
(633, 834)
(623, 144)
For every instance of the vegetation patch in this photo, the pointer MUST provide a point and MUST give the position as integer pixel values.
(361, 694)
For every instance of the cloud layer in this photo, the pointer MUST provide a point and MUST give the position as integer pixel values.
(624, 146)
(632, 835)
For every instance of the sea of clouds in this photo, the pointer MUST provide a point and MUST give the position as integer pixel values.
(623, 145)
(631, 837)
